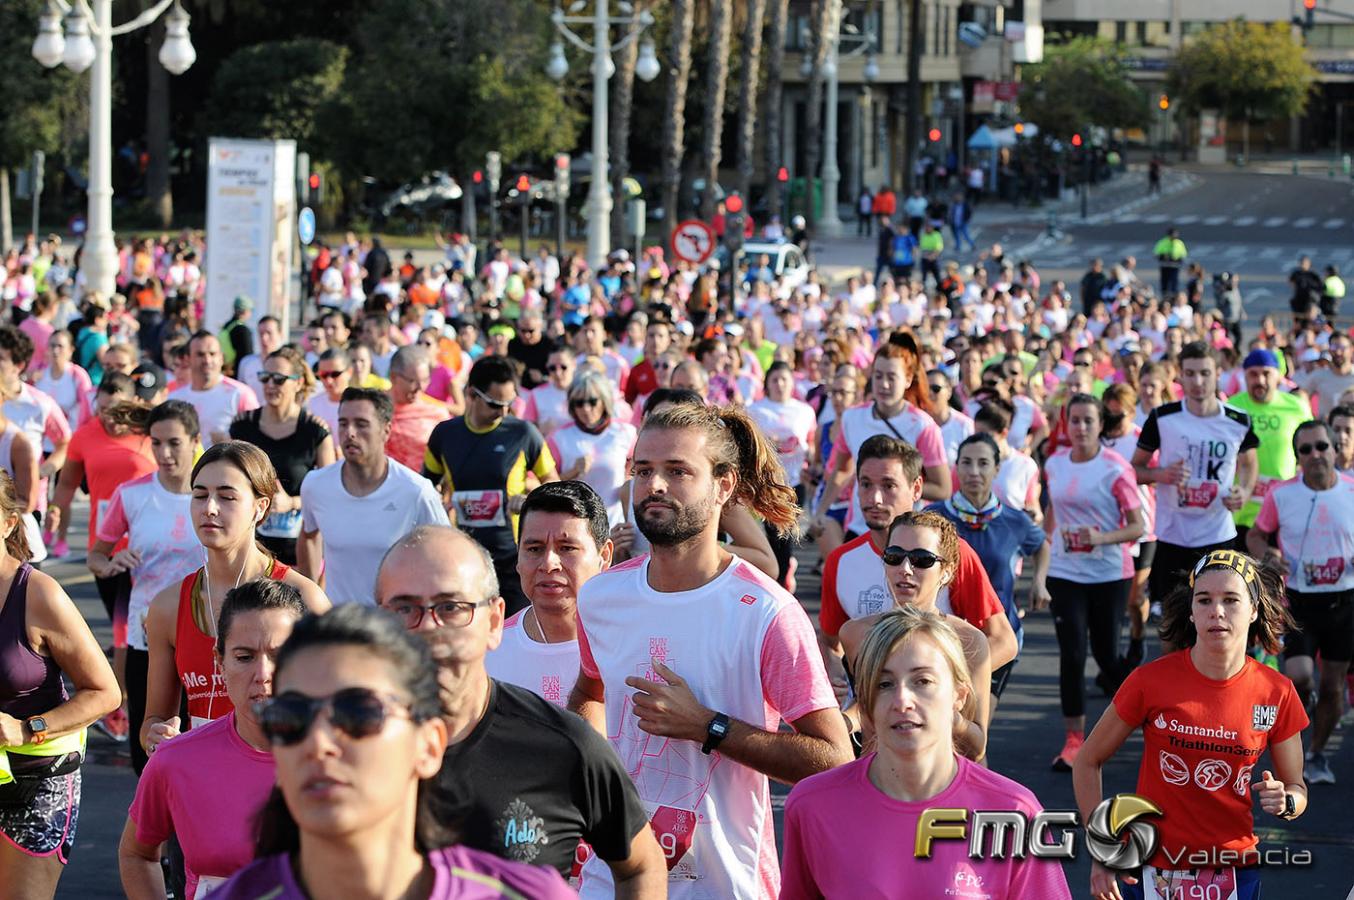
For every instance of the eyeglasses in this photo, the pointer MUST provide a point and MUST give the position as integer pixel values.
(557, 367)
(445, 613)
(357, 712)
(528, 331)
(1082, 364)
(328, 376)
(662, 367)
(276, 378)
(920, 559)
(1319, 447)
(585, 401)
(490, 401)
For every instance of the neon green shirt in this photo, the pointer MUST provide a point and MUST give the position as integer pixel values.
(1274, 424)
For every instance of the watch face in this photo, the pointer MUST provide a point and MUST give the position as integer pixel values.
(37, 723)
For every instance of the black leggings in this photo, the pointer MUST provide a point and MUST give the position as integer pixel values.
(1079, 609)
(138, 670)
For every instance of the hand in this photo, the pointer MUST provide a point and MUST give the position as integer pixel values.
(1236, 498)
(12, 733)
(282, 501)
(1270, 792)
(1275, 558)
(836, 674)
(1092, 535)
(623, 537)
(1040, 598)
(53, 520)
(1177, 473)
(1105, 883)
(124, 561)
(669, 710)
(160, 732)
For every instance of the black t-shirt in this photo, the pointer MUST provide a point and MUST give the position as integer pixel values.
(532, 780)
(533, 358)
(293, 456)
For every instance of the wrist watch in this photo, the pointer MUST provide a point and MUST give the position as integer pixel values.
(1290, 807)
(715, 732)
(38, 726)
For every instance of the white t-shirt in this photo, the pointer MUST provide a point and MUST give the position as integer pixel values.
(1328, 385)
(1124, 445)
(217, 407)
(790, 427)
(547, 670)
(953, 433)
(326, 411)
(1028, 417)
(608, 453)
(66, 392)
(1316, 533)
(1193, 515)
(41, 420)
(547, 407)
(1097, 492)
(357, 531)
(248, 370)
(745, 646)
(159, 526)
(1017, 476)
(859, 424)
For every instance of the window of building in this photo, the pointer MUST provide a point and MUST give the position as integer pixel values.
(945, 32)
(1141, 29)
(1121, 32)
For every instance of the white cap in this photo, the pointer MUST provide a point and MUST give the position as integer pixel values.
(686, 328)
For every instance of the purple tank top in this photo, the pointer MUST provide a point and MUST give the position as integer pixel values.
(30, 684)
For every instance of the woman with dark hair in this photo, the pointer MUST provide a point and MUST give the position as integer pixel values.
(357, 735)
(206, 787)
(233, 484)
(148, 518)
(1208, 712)
(791, 427)
(44, 642)
(296, 442)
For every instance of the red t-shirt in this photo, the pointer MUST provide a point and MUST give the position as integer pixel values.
(109, 462)
(643, 381)
(854, 586)
(1202, 742)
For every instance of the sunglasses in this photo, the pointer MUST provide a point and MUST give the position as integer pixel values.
(445, 613)
(327, 376)
(662, 367)
(937, 388)
(920, 559)
(357, 712)
(1319, 447)
(557, 368)
(490, 401)
(276, 378)
(585, 401)
(1083, 364)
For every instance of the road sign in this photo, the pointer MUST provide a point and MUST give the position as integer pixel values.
(305, 225)
(693, 241)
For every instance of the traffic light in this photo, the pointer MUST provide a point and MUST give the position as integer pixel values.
(561, 175)
(782, 174)
(523, 183)
(733, 222)
(733, 204)
(934, 135)
(1310, 7)
(1076, 140)
(477, 176)
(316, 186)
(1019, 128)
(1164, 103)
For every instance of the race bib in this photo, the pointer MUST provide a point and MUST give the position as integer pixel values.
(675, 829)
(206, 884)
(1075, 542)
(281, 525)
(1189, 884)
(1197, 496)
(788, 445)
(480, 509)
(1262, 486)
(1319, 574)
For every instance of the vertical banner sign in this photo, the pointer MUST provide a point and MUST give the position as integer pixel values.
(251, 228)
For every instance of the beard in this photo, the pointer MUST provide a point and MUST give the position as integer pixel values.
(686, 522)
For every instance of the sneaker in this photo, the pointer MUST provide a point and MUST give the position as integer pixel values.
(1154, 611)
(1068, 755)
(1318, 770)
(59, 550)
(115, 725)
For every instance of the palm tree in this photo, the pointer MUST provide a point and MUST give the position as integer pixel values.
(674, 112)
(823, 15)
(747, 95)
(716, 83)
(775, 60)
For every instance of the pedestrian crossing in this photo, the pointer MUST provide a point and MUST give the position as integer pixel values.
(1214, 256)
(1298, 222)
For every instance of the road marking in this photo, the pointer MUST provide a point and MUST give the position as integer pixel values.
(1274, 221)
(1216, 220)
(1304, 222)
(1333, 224)
(1201, 250)
(1186, 220)
(1127, 217)
(1270, 252)
(1244, 221)
(1157, 219)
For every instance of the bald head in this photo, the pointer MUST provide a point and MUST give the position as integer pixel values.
(429, 549)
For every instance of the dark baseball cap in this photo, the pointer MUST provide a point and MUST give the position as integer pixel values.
(149, 379)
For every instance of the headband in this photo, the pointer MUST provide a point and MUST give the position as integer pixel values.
(1239, 563)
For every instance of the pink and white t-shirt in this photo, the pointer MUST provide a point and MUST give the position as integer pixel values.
(607, 454)
(956, 429)
(1316, 533)
(867, 853)
(1017, 480)
(205, 787)
(547, 670)
(745, 647)
(217, 407)
(1125, 445)
(547, 407)
(1028, 417)
(159, 526)
(791, 427)
(1096, 492)
(38, 417)
(73, 392)
(860, 423)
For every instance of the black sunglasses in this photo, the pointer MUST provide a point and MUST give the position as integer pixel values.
(276, 378)
(585, 401)
(1319, 446)
(557, 367)
(330, 376)
(357, 712)
(493, 404)
(920, 559)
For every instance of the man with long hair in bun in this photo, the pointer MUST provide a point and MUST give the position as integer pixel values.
(691, 658)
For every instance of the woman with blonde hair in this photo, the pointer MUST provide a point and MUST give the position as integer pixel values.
(915, 688)
(596, 446)
(296, 441)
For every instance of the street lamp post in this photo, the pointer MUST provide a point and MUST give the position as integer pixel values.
(830, 223)
(88, 41)
(646, 68)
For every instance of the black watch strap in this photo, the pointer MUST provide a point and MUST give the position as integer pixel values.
(715, 732)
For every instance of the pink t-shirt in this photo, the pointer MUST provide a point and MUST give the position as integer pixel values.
(868, 852)
(204, 786)
(1097, 492)
(860, 423)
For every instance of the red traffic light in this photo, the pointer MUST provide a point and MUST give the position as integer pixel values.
(782, 174)
(733, 203)
(1309, 4)
(523, 183)
(314, 181)
(1076, 140)
(934, 135)
(562, 161)
(477, 176)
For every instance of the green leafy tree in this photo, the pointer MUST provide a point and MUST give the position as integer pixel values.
(35, 100)
(276, 90)
(1247, 70)
(1080, 84)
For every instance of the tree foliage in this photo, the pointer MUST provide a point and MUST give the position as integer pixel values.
(1080, 84)
(1245, 69)
(35, 98)
(276, 90)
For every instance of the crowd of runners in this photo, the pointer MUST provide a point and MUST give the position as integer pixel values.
(481, 580)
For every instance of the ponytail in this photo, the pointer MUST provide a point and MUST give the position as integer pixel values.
(902, 345)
